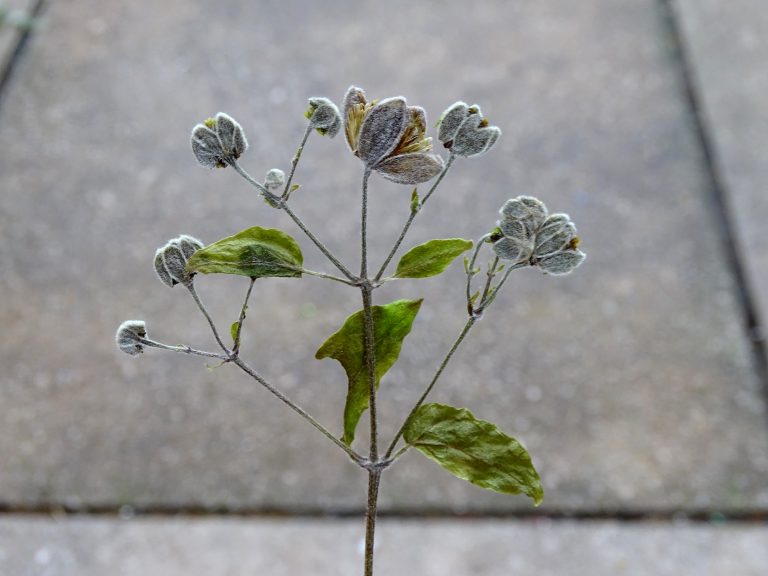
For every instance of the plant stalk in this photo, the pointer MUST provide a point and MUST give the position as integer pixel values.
(374, 479)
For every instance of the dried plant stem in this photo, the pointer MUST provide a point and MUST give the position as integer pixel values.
(232, 356)
(196, 298)
(357, 458)
(295, 162)
(241, 319)
(374, 475)
(411, 218)
(282, 204)
(467, 327)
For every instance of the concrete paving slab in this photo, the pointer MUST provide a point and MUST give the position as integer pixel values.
(233, 547)
(728, 50)
(10, 34)
(631, 381)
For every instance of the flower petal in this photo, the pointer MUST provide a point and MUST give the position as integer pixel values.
(562, 262)
(450, 121)
(354, 104)
(512, 249)
(529, 210)
(472, 138)
(231, 135)
(410, 168)
(382, 129)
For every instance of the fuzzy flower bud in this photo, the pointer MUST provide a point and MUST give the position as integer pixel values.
(526, 233)
(129, 337)
(324, 116)
(475, 136)
(218, 141)
(274, 180)
(171, 260)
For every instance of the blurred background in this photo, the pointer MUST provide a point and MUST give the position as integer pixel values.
(638, 383)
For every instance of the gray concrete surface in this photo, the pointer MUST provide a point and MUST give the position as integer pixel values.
(234, 547)
(729, 54)
(631, 381)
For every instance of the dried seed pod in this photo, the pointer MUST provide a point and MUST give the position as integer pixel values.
(129, 337)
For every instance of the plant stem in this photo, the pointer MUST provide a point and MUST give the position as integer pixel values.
(182, 349)
(411, 218)
(471, 274)
(467, 327)
(282, 204)
(328, 276)
(374, 479)
(193, 292)
(357, 458)
(295, 162)
(369, 352)
(241, 319)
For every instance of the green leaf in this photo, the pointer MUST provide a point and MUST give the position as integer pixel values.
(474, 450)
(233, 330)
(431, 258)
(256, 252)
(392, 323)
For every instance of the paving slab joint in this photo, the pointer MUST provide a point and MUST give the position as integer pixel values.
(720, 205)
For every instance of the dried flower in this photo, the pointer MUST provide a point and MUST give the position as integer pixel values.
(218, 141)
(130, 335)
(463, 129)
(171, 260)
(323, 116)
(389, 137)
(526, 233)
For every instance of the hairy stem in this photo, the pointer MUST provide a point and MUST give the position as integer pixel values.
(328, 276)
(443, 364)
(357, 458)
(411, 218)
(241, 319)
(182, 349)
(471, 274)
(201, 306)
(295, 162)
(374, 479)
(283, 205)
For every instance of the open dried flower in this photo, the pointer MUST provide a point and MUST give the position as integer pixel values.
(389, 137)
(218, 141)
(527, 233)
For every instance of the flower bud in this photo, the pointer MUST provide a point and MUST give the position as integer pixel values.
(171, 260)
(218, 142)
(450, 121)
(529, 211)
(274, 180)
(324, 116)
(554, 235)
(475, 136)
(129, 337)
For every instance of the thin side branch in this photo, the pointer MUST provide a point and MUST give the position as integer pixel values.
(357, 458)
(201, 306)
(412, 217)
(241, 319)
(295, 162)
(182, 349)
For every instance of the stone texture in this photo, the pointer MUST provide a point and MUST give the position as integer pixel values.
(630, 381)
(9, 35)
(727, 47)
(216, 547)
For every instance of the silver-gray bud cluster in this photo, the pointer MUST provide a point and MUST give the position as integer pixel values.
(130, 335)
(528, 234)
(463, 129)
(324, 116)
(171, 260)
(218, 141)
(274, 180)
